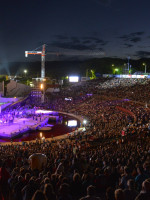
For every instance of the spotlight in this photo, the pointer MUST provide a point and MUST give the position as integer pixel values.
(84, 121)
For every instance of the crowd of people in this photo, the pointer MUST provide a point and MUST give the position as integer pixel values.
(110, 160)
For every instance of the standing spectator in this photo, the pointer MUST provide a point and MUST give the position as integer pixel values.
(49, 192)
(38, 195)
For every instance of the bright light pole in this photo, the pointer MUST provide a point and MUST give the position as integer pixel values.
(42, 86)
(25, 71)
(128, 63)
(116, 70)
(112, 68)
(144, 64)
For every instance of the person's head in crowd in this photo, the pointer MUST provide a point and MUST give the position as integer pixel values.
(146, 186)
(110, 194)
(91, 190)
(32, 180)
(65, 180)
(131, 184)
(46, 180)
(53, 177)
(119, 194)
(127, 170)
(20, 178)
(76, 177)
(139, 169)
(40, 175)
(146, 166)
(48, 174)
(27, 176)
(39, 195)
(64, 189)
(49, 191)
(97, 171)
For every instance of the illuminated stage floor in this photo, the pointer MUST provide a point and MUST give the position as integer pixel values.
(20, 125)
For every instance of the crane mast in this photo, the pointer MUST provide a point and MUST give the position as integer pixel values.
(42, 53)
(43, 62)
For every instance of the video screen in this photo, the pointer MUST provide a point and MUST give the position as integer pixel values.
(72, 123)
(73, 79)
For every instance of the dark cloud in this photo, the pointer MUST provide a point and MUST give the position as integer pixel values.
(61, 37)
(101, 42)
(132, 37)
(76, 48)
(142, 54)
(86, 41)
(94, 40)
(128, 45)
(72, 45)
(77, 43)
(137, 33)
(75, 39)
(135, 39)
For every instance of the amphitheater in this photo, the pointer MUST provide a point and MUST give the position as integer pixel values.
(107, 154)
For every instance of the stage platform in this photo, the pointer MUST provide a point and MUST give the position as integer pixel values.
(21, 125)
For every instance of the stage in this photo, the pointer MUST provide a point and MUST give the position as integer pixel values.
(21, 125)
(28, 124)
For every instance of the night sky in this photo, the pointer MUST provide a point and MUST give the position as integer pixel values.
(75, 28)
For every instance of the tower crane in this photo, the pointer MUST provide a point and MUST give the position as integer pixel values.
(42, 53)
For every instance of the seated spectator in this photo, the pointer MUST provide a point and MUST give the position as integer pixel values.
(91, 190)
(125, 178)
(119, 194)
(130, 193)
(140, 178)
(145, 192)
(110, 194)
